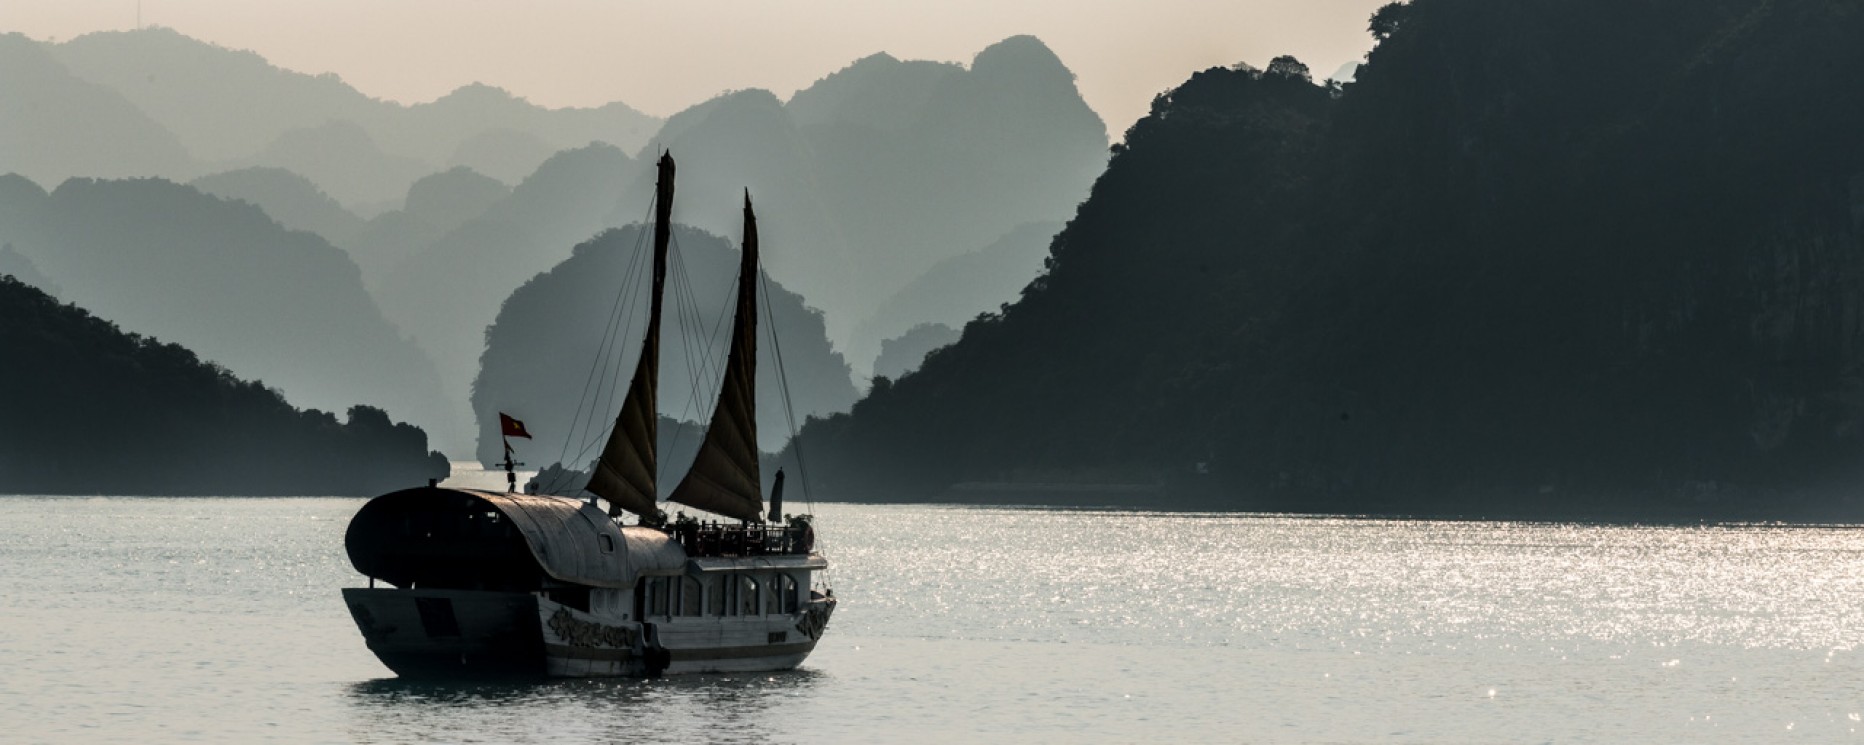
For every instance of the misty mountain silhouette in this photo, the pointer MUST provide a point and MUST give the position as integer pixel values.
(342, 159)
(58, 125)
(449, 291)
(867, 178)
(227, 106)
(22, 269)
(280, 306)
(746, 140)
(287, 197)
(222, 103)
(956, 290)
(1542, 258)
(904, 353)
(541, 350)
(912, 162)
(504, 154)
(99, 411)
(437, 131)
(878, 91)
(435, 206)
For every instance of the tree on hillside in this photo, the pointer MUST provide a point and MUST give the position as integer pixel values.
(1288, 67)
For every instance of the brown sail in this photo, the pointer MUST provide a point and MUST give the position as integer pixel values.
(624, 474)
(724, 476)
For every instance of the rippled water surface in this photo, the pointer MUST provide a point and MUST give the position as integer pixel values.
(218, 620)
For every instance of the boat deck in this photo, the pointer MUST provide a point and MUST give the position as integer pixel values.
(712, 539)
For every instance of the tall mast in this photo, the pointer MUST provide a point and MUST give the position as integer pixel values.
(624, 474)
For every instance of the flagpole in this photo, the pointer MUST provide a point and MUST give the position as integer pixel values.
(511, 475)
(507, 429)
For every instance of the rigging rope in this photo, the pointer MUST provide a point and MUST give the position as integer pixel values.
(789, 414)
(608, 352)
(702, 373)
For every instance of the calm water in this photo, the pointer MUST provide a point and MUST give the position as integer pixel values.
(218, 620)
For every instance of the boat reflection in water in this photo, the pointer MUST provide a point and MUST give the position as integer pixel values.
(710, 708)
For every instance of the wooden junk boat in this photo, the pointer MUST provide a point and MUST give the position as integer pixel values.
(488, 583)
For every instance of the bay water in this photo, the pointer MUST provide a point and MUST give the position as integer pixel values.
(218, 620)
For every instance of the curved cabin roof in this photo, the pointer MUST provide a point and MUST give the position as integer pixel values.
(415, 534)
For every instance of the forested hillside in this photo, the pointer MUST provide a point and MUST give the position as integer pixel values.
(1542, 257)
(93, 410)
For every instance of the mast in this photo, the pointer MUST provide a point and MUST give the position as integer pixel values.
(724, 476)
(624, 474)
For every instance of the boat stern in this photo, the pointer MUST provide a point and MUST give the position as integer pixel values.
(450, 633)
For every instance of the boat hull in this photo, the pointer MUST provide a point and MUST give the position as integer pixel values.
(743, 645)
(447, 634)
(450, 633)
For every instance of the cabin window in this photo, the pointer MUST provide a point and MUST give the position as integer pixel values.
(747, 595)
(773, 598)
(691, 601)
(607, 542)
(789, 594)
(656, 596)
(574, 597)
(715, 595)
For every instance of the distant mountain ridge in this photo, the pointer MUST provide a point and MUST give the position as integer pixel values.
(232, 109)
(59, 125)
(291, 199)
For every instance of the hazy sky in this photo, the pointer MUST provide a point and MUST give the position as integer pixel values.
(663, 56)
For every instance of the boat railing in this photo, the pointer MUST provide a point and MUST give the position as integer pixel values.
(706, 538)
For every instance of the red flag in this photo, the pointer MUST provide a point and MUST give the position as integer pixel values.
(512, 427)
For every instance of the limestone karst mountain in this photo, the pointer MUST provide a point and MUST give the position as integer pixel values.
(958, 289)
(342, 159)
(228, 107)
(57, 125)
(903, 354)
(508, 155)
(446, 293)
(17, 266)
(746, 140)
(912, 162)
(287, 197)
(435, 206)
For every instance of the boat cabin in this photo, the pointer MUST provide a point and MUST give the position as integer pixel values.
(571, 552)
